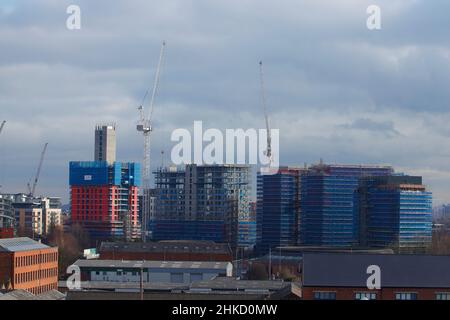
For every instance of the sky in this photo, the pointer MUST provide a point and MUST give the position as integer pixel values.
(335, 89)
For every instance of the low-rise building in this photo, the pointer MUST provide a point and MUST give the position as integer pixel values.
(29, 265)
(221, 288)
(166, 251)
(341, 276)
(152, 271)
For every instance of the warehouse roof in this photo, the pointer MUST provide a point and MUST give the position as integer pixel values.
(21, 294)
(222, 284)
(20, 244)
(167, 246)
(350, 270)
(151, 264)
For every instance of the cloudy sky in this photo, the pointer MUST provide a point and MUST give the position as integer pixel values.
(335, 89)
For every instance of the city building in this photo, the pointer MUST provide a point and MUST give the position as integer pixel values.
(152, 271)
(328, 217)
(201, 203)
(104, 193)
(396, 212)
(30, 216)
(52, 213)
(105, 143)
(344, 276)
(278, 208)
(6, 217)
(29, 265)
(172, 250)
(104, 199)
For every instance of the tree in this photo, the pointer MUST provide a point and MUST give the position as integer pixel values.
(441, 242)
(70, 245)
(257, 271)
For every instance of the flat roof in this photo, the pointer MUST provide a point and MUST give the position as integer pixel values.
(20, 244)
(94, 263)
(167, 246)
(401, 271)
(222, 284)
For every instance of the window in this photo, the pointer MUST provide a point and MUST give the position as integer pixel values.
(196, 277)
(443, 296)
(324, 295)
(176, 278)
(406, 296)
(365, 296)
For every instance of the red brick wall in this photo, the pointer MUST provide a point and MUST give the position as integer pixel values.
(35, 271)
(5, 268)
(6, 233)
(383, 294)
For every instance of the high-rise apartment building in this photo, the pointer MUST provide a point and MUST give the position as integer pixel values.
(328, 217)
(105, 143)
(278, 208)
(104, 193)
(201, 203)
(395, 212)
(104, 199)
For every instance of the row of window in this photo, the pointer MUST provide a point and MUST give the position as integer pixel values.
(36, 259)
(43, 288)
(331, 295)
(35, 275)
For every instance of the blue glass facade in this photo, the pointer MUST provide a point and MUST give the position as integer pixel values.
(328, 217)
(277, 209)
(395, 212)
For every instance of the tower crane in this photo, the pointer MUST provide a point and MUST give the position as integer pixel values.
(31, 190)
(268, 151)
(145, 126)
(1, 128)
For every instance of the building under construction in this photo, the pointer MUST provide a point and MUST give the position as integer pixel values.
(201, 203)
(104, 193)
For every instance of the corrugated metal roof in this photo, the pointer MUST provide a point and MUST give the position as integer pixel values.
(166, 246)
(401, 271)
(152, 264)
(20, 244)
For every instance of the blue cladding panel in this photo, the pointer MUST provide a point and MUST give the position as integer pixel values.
(135, 174)
(117, 177)
(88, 173)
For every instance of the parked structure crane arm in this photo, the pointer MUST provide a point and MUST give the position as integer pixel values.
(268, 152)
(38, 172)
(2, 125)
(156, 82)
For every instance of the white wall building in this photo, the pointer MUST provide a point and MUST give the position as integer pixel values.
(182, 272)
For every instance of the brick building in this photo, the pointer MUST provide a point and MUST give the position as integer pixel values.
(341, 276)
(29, 265)
(166, 251)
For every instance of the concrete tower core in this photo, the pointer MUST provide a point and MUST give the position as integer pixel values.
(105, 143)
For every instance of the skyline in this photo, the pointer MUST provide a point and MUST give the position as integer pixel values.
(336, 90)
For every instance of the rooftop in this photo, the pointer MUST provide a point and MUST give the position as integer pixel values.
(222, 284)
(20, 244)
(166, 246)
(151, 264)
(350, 270)
(25, 295)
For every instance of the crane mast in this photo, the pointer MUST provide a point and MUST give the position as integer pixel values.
(145, 126)
(268, 151)
(31, 190)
